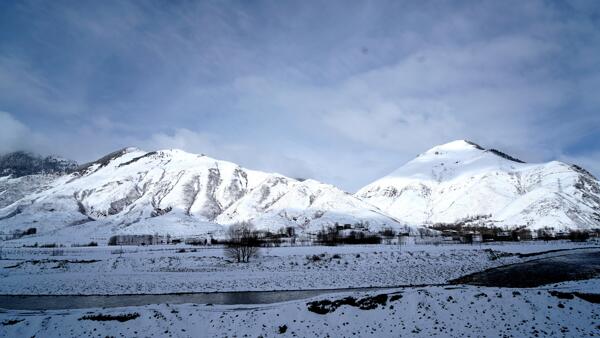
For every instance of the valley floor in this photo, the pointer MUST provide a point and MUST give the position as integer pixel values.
(569, 309)
(462, 311)
(177, 269)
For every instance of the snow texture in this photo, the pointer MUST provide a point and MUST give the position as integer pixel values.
(408, 312)
(169, 269)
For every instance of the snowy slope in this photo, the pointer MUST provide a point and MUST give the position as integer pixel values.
(13, 189)
(461, 180)
(171, 191)
(308, 205)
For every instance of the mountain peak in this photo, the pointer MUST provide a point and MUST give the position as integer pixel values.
(465, 146)
(457, 145)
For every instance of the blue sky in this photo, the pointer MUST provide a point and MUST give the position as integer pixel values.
(343, 92)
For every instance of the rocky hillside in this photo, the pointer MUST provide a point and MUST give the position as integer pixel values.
(20, 163)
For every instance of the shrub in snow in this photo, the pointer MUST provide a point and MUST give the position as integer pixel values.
(83, 245)
(325, 306)
(103, 318)
(242, 242)
(9, 322)
(579, 236)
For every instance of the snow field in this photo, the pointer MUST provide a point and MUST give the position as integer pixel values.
(170, 269)
(412, 312)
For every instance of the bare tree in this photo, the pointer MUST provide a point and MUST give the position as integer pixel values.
(242, 243)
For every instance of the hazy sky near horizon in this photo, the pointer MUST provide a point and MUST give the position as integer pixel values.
(340, 91)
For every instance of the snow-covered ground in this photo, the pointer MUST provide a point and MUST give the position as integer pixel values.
(171, 269)
(412, 312)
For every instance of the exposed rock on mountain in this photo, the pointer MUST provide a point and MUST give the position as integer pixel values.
(20, 163)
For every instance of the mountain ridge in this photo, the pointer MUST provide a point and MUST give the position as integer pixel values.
(172, 191)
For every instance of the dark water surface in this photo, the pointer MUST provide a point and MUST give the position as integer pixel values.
(225, 298)
(538, 272)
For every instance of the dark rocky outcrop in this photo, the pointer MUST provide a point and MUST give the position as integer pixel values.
(21, 163)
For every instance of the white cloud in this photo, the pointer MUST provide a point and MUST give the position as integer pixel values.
(14, 135)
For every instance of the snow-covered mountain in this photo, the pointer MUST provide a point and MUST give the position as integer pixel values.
(461, 180)
(171, 191)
